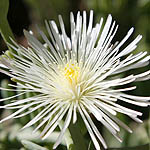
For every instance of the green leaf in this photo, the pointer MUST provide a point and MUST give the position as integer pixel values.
(32, 146)
(143, 147)
(4, 25)
(4, 5)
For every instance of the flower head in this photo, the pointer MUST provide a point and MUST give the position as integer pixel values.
(76, 74)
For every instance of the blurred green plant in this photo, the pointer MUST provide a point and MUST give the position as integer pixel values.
(32, 146)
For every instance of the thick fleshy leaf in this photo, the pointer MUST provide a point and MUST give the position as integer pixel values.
(32, 146)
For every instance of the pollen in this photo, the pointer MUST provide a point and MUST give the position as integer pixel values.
(71, 72)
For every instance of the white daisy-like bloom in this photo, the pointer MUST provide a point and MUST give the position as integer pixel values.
(76, 74)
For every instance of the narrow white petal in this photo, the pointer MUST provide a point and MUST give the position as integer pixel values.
(3, 66)
(90, 23)
(11, 97)
(52, 111)
(31, 110)
(118, 121)
(75, 112)
(142, 104)
(136, 119)
(94, 127)
(16, 113)
(52, 128)
(104, 32)
(139, 98)
(40, 115)
(105, 106)
(66, 124)
(89, 129)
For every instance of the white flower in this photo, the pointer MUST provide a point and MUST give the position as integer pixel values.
(76, 74)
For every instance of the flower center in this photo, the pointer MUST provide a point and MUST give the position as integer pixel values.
(67, 83)
(71, 72)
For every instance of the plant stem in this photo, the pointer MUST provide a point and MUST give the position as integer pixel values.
(77, 137)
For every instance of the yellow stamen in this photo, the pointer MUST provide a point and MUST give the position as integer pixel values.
(71, 72)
